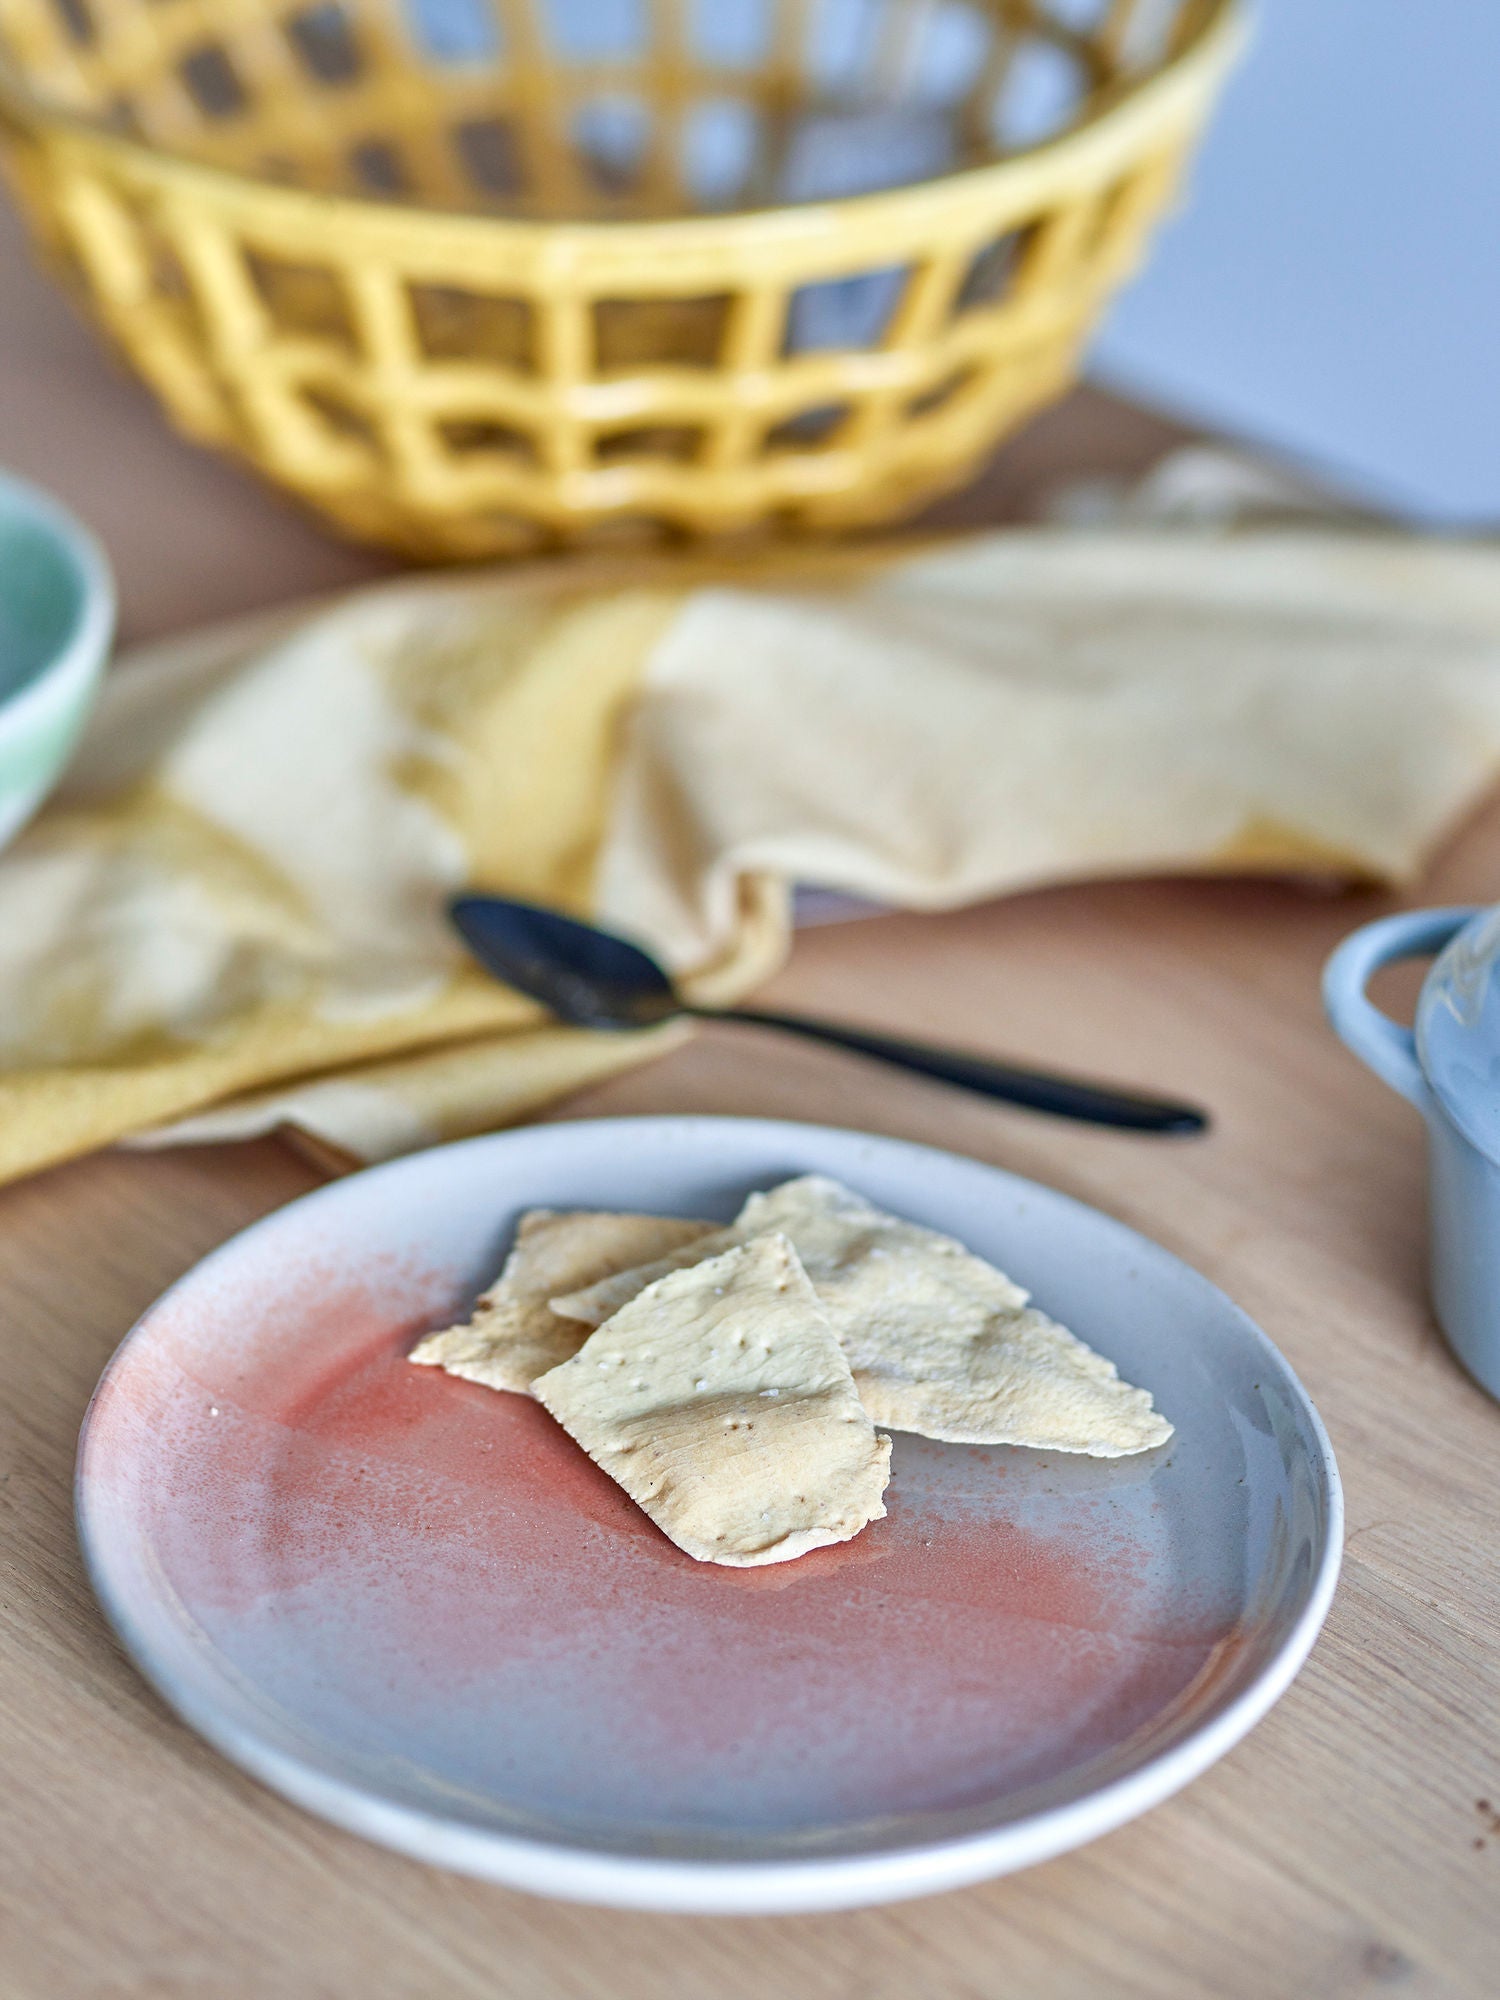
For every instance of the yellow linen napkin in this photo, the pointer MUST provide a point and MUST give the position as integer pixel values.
(233, 914)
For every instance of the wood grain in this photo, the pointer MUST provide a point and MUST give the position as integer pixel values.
(1333, 1853)
(1340, 1850)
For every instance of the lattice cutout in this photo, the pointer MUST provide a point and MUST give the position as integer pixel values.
(326, 43)
(659, 333)
(454, 323)
(305, 299)
(467, 383)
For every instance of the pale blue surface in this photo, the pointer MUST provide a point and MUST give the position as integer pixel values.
(1334, 287)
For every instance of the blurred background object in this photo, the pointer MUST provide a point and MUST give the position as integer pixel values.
(1332, 290)
(844, 246)
(57, 617)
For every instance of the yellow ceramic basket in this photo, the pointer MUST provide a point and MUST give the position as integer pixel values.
(472, 276)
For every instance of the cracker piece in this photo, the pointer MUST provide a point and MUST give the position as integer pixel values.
(939, 1341)
(512, 1336)
(720, 1399)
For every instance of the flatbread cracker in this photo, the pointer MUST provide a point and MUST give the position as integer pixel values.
(939, 1341)
(512, 1336)
(721, 1400)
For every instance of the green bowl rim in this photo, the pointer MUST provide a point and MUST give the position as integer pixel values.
(83, 651)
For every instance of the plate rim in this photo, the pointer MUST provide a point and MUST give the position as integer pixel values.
(724, 1887)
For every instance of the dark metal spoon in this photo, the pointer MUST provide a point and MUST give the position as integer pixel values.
(592, 979)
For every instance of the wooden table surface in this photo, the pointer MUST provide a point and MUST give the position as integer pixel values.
(1347, 1847)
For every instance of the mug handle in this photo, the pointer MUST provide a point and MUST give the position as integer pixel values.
(1383, 1044)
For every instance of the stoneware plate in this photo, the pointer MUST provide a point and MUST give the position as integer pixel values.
(414, 1606)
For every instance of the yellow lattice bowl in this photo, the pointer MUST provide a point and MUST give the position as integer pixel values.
(484, 274)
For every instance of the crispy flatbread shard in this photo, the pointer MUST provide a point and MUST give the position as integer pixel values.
(512, 1336)
(720, 1399)
(939, 1341)
(834, 1230)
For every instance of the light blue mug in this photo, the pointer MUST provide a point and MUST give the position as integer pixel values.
(1448, 1065)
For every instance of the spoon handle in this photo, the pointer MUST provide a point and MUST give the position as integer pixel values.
(1063, 1096)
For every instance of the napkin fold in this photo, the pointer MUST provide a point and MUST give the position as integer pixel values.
(232, 916)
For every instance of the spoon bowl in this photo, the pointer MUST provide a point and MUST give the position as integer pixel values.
(587, 977)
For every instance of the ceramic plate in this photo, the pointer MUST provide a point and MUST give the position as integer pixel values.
(415, 1607)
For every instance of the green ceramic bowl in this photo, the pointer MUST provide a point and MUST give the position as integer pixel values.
(57, 617)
